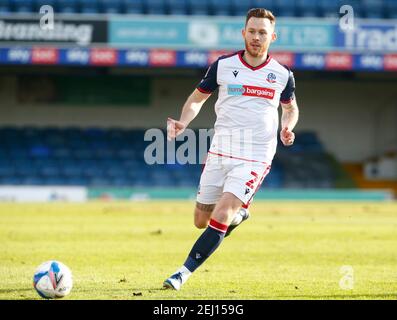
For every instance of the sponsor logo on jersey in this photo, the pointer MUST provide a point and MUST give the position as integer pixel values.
(251, 91)
(235, 73)
(271, 77)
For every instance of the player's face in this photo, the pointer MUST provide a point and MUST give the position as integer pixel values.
(258, 34)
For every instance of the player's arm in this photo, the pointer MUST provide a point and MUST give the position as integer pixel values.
(289, 119)
(290, 111)
(194, 102)
(190, 110)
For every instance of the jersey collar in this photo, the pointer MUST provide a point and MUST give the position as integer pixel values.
(240, 55)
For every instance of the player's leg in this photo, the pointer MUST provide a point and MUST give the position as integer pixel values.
(209, 192)
(241, 215)
(244, 180)
(202, 214)
(209, 240)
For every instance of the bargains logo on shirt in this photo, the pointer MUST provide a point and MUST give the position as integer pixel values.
(252, 91)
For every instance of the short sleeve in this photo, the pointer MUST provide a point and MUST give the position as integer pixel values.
(209, 83)
(288, 93)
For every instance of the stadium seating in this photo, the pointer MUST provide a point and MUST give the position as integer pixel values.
(268, 4)
(307, 8)
(373, 9)
(111, 6)
(67, 6)
(89, 6)
(283, 8)
(390, 9)
(5, 8)
(22, 6)
(177, 7)
(115, 157)
(155, 7)
(201, 7)
(328, 8)
(134, 6)
(240, 7)
(220, 8)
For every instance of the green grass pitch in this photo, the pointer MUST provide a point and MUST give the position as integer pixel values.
(124, 250)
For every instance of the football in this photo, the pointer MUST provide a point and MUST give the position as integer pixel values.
(52, 280)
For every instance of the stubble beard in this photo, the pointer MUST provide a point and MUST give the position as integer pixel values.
(254, 54)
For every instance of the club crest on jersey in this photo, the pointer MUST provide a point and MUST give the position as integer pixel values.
(251, 91)
(271, 77)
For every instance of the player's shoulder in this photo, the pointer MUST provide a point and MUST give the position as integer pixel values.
(281, 67)
(227, 58)
(229, 55)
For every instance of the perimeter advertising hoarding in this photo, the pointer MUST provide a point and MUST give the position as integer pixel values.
(108, 57)
(214, 33)
(294, 34)
(67, 31)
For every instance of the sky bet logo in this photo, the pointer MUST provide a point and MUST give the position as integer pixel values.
(251, 91)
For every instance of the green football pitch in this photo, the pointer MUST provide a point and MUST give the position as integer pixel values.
(124, 250)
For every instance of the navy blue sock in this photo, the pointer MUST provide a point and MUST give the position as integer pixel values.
(208, 242)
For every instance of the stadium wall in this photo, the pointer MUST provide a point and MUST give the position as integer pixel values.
(354, 119)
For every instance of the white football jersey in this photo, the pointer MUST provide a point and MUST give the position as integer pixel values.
(247, 106)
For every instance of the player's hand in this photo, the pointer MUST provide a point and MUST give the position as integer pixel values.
(287, 137)
(174, 128)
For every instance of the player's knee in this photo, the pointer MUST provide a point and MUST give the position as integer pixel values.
(201, 218)
(200, 223)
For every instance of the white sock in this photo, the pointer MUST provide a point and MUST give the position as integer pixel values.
(185, 273)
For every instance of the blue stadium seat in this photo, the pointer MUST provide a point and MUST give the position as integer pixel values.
(7, 170)
(89, 6)
(12, 181)
(307, 8)
(266, 4)
(240, 7)
(39, 3)
(220, 8)
(134, 6)
(285, 8)
(67, 6)
(50, 171)
(390, 9)
(72, 171)
(54, 181)
(32, 181)
(111, 6)
(328, 8)
(47, 156)
(199, 7)
(177, 7)
(373, 9)
(155, 7)
(23, 6)
(5, 6)
(76, 181)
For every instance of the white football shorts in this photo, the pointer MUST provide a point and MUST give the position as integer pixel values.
(240, 177)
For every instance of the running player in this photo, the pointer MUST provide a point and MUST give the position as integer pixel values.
(251, 86)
